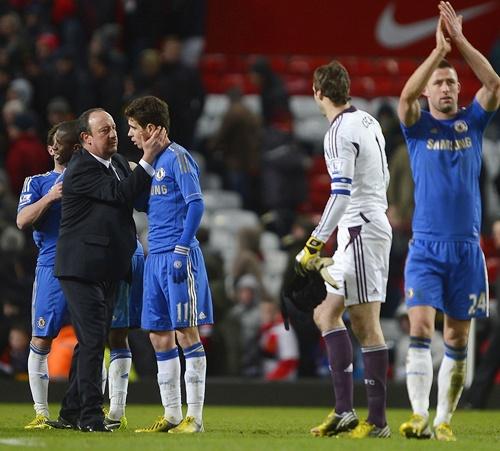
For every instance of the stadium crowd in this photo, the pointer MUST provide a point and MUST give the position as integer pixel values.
(59, 58)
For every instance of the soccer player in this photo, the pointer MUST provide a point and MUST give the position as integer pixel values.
(176, 293)
(357, 164)
(126, 316)
(445, 267)
(40, 208)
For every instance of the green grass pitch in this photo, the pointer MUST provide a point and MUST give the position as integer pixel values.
(241, 428)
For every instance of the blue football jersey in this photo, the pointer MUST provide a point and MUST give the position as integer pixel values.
(445, 158)
(174, 185)
(47, 229)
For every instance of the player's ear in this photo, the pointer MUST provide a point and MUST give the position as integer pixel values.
(150, 128)
(459, 87)
(85, 137)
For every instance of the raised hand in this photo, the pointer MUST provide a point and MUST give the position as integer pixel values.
(442, 42)
(452, 22)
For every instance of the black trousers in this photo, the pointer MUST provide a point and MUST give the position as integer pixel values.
(91, 308)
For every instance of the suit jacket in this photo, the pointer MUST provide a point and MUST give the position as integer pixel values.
(97, 236)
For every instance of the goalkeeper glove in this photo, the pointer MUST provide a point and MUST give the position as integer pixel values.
(179, 263)
(311, 249)
(321, 265)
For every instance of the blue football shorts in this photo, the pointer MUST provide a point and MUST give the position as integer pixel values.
(49, 310)
(128, 307)
(449, 276)
(168, 305)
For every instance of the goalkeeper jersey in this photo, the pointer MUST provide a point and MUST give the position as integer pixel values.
(174, 185)
(445, 158)
(46, 231)
(354, 149)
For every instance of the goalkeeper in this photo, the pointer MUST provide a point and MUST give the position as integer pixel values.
(357, 165)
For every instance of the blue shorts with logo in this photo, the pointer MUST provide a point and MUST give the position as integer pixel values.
(449, 276)
(168, 305)
(128, 307)
(49, 310)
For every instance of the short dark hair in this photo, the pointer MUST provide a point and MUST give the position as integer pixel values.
(445, 63)
(71, 129)
(51, 133)
(333, 81)
(149, 110)
(83, 121)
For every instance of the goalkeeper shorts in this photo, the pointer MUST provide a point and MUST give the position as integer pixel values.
(361, 262)
(449, 276)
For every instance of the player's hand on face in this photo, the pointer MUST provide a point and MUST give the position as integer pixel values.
(442, 42)
(452, 22)
(55, 193)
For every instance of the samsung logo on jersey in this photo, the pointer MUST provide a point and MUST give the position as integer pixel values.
(158, 190)
(449, 144)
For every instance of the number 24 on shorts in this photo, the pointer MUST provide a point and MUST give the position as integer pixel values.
(478, 303)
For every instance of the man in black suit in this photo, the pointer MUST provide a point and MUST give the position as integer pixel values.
(96, 242)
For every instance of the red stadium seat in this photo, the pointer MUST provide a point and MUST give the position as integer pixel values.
(215, 63)
(297, 85)
(300, 65)
(407, 66)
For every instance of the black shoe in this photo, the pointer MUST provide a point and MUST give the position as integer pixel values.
(62, 423)
(97, 427)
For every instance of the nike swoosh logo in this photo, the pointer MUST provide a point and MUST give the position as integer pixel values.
(393, 35)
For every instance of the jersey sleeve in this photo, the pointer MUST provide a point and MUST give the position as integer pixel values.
(480, 116)
(341, 167)
(30, 193)
(186, 176)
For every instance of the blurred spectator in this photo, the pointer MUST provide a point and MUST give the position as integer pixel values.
(10, 110)
(241, 329)
(104, 86)
(283, 179)
(148, 79)
(14, 358)
(249, 259)
(106, 41)
(182, 89)
(390, 127)
(58, 110)
(273, 94)
(66, 82)
(46, 46)
(279, 347)
(26, 154)
(20, 89)
(237, 145)
(13, 38)
(8, 203)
